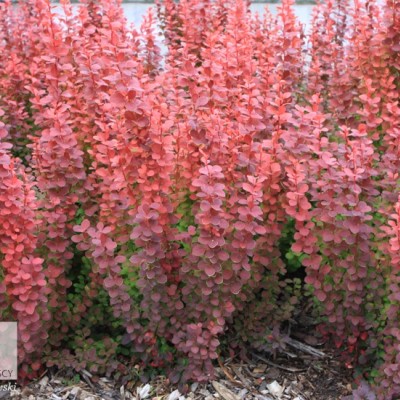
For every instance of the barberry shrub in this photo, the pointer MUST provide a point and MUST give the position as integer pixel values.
(156, 197)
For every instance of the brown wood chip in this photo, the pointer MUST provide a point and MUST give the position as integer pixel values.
(224, 392)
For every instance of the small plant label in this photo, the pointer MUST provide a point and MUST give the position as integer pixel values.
(8, 351)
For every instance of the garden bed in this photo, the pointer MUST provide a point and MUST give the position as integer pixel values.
(311, 379)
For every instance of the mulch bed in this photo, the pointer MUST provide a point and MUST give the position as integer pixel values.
(304, 372)
(305, 369)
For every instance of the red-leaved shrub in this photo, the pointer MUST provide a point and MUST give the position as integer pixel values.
(160, 189)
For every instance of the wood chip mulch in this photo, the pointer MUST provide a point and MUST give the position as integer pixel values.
(304, 372)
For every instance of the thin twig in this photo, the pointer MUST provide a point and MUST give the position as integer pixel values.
(241, 377)
(227, 373)
(305, 348)
(272, 364)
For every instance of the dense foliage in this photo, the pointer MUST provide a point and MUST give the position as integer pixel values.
(151, 199)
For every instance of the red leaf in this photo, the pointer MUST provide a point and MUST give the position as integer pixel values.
(202, 101)
(117, 99)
